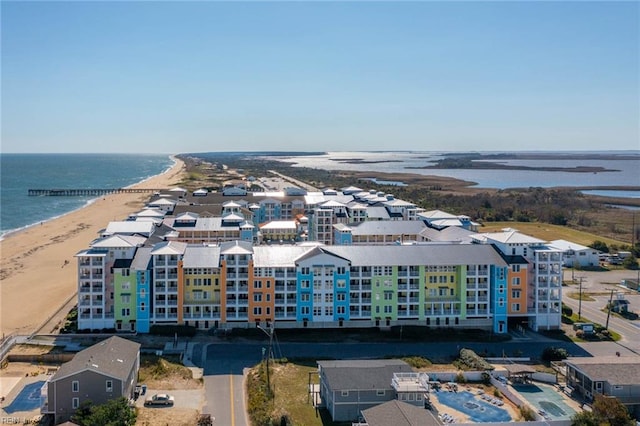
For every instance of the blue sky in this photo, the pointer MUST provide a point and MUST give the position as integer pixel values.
(173, 77)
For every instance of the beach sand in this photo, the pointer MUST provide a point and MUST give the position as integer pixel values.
(38, 270)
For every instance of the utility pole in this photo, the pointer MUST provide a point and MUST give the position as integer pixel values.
(606, 327)
(580, 299)
(270, 334)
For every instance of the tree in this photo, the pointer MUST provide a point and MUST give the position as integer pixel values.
(611, 411)
(551, 353)
(585, 418)
(115, 412)
(599, 245)
(630, 262)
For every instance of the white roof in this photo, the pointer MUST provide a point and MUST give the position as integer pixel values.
(279, 224)
(113, 241)
(438, 214)
(200, 191)
(565, 245)
(129, 227)
(178, 189)
(398, 203)
(162, 202)
(150, 213)
(509, 236)
(201, 257)
(167, 248)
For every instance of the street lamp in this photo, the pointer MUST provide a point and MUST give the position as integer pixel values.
(270, 334)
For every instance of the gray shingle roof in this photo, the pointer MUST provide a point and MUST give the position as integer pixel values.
(612, 369)
(196, 256)
(362, 374)
(113, 357)
(441, 254)
(388, 227)
(278, 256)
(398, 413)
(141, 259)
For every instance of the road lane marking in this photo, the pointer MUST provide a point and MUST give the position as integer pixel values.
(233, 416)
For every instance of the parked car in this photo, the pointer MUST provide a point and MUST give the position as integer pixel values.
(159, 399)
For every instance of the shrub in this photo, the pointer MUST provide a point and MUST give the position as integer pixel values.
(486, 378)
(472, 361)
(417, 361)
(460, 378)
(497, 393)
(551, 353)
(566, 310)
(527, 413)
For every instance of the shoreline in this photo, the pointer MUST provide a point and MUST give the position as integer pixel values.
(37, 265)
(11, 232)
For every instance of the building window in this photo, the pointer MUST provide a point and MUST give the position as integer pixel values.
(515, 307)
(257, 311)
(109, 386)
(142, 307)
(380, 392)
(75, 403)
(75, 386)
(515, 268)
(515, 281)
(344, 393)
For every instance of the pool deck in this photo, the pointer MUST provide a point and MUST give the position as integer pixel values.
(461, 417)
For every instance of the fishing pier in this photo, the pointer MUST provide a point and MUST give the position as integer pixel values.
(87, 192)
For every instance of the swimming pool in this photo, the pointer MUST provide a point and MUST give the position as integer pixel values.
(27, 400)
(477, 410)
(545, 398)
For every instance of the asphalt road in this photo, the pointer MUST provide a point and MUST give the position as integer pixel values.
(598, 286)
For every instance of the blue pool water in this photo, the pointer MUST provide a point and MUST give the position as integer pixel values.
(28, 399)
(476, 409)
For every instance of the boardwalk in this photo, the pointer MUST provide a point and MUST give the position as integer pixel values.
(91, 192)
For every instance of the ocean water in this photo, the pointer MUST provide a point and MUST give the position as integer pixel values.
(20, 172)
(626, 170)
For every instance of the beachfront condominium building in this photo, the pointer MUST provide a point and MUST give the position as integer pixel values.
(238, 284)
(380, 268)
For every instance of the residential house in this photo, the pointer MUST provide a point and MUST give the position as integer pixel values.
(348, 387)
(611, 376)
(102, 372)
(576, 255)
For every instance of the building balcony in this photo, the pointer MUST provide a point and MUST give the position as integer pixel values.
(85, 289)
